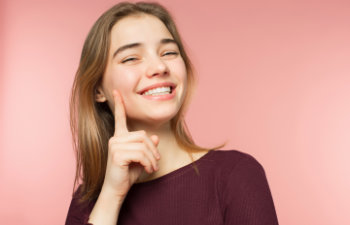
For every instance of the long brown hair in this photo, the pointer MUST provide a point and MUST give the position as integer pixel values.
(92, 123)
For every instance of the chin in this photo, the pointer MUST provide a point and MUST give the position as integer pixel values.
(155, 118)
(161, 117)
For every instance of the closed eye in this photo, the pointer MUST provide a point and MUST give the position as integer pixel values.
(129, 59)
(171, 53)
(134, 59)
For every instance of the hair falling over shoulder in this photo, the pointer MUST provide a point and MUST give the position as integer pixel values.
(92, 123)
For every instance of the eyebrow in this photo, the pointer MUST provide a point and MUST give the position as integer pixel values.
(134, 45)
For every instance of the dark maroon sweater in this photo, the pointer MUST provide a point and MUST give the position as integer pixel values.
(231, 189)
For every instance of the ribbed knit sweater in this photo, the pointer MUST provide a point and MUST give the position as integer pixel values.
(231, 189)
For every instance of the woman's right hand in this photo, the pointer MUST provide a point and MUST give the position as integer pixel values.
(129, 153)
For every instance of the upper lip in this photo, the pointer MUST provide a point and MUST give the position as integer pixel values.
(164, 84)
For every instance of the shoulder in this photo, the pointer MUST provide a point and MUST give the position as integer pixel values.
(230, 159)
(234, 166)
(240, 172)
(244, 190)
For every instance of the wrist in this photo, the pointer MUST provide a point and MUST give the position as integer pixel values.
(110, 194)
(106, 209)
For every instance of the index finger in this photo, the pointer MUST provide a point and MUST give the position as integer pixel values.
(120, 126)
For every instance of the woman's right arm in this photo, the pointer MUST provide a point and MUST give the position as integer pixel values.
(106, 209)
(129, 154)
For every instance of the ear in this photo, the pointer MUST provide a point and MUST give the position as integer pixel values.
(99, 95)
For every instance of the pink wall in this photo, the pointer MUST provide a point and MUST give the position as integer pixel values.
(274, 80)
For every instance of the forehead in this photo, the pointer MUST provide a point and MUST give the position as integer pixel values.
(138, 29)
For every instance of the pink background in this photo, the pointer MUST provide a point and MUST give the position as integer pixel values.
(274, 80)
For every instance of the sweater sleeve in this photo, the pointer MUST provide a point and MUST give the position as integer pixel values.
(247, 196)
(78, 214)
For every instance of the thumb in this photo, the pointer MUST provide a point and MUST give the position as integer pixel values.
(155, 139)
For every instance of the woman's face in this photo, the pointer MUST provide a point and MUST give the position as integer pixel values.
(142, 54)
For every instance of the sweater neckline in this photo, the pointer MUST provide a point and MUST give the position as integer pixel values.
(176, 172)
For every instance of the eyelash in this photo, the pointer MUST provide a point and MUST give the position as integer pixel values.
(171, 53)
(133, 58)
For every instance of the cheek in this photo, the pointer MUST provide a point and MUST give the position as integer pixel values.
(122, 80)
(179, 68)
(182, 73)
(126, 80)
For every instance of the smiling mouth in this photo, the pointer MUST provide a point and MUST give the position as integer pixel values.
(158, 87)
(162, 94)
(159, 91)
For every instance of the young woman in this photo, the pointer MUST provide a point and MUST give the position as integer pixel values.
(136, 161)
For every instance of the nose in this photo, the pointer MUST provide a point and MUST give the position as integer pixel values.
(156, 66)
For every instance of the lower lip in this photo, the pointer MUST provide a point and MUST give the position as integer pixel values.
(161, 97)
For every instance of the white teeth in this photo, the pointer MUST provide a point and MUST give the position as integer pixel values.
(158, 91)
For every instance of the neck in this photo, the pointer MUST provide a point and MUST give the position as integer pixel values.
(172, 156)
(168, 147)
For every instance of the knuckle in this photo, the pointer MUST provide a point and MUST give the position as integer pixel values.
(113, 140)
(148, 164)
(118, 159)
(118, 135)
(112, 146)
(142, 154)
(145, 149)
(142, 132)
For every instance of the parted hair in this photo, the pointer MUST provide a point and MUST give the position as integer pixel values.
(92, 123)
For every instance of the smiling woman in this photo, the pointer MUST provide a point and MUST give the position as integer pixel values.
(136, 161)
(144, 59)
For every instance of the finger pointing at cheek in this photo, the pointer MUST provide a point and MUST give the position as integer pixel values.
(119, 114)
